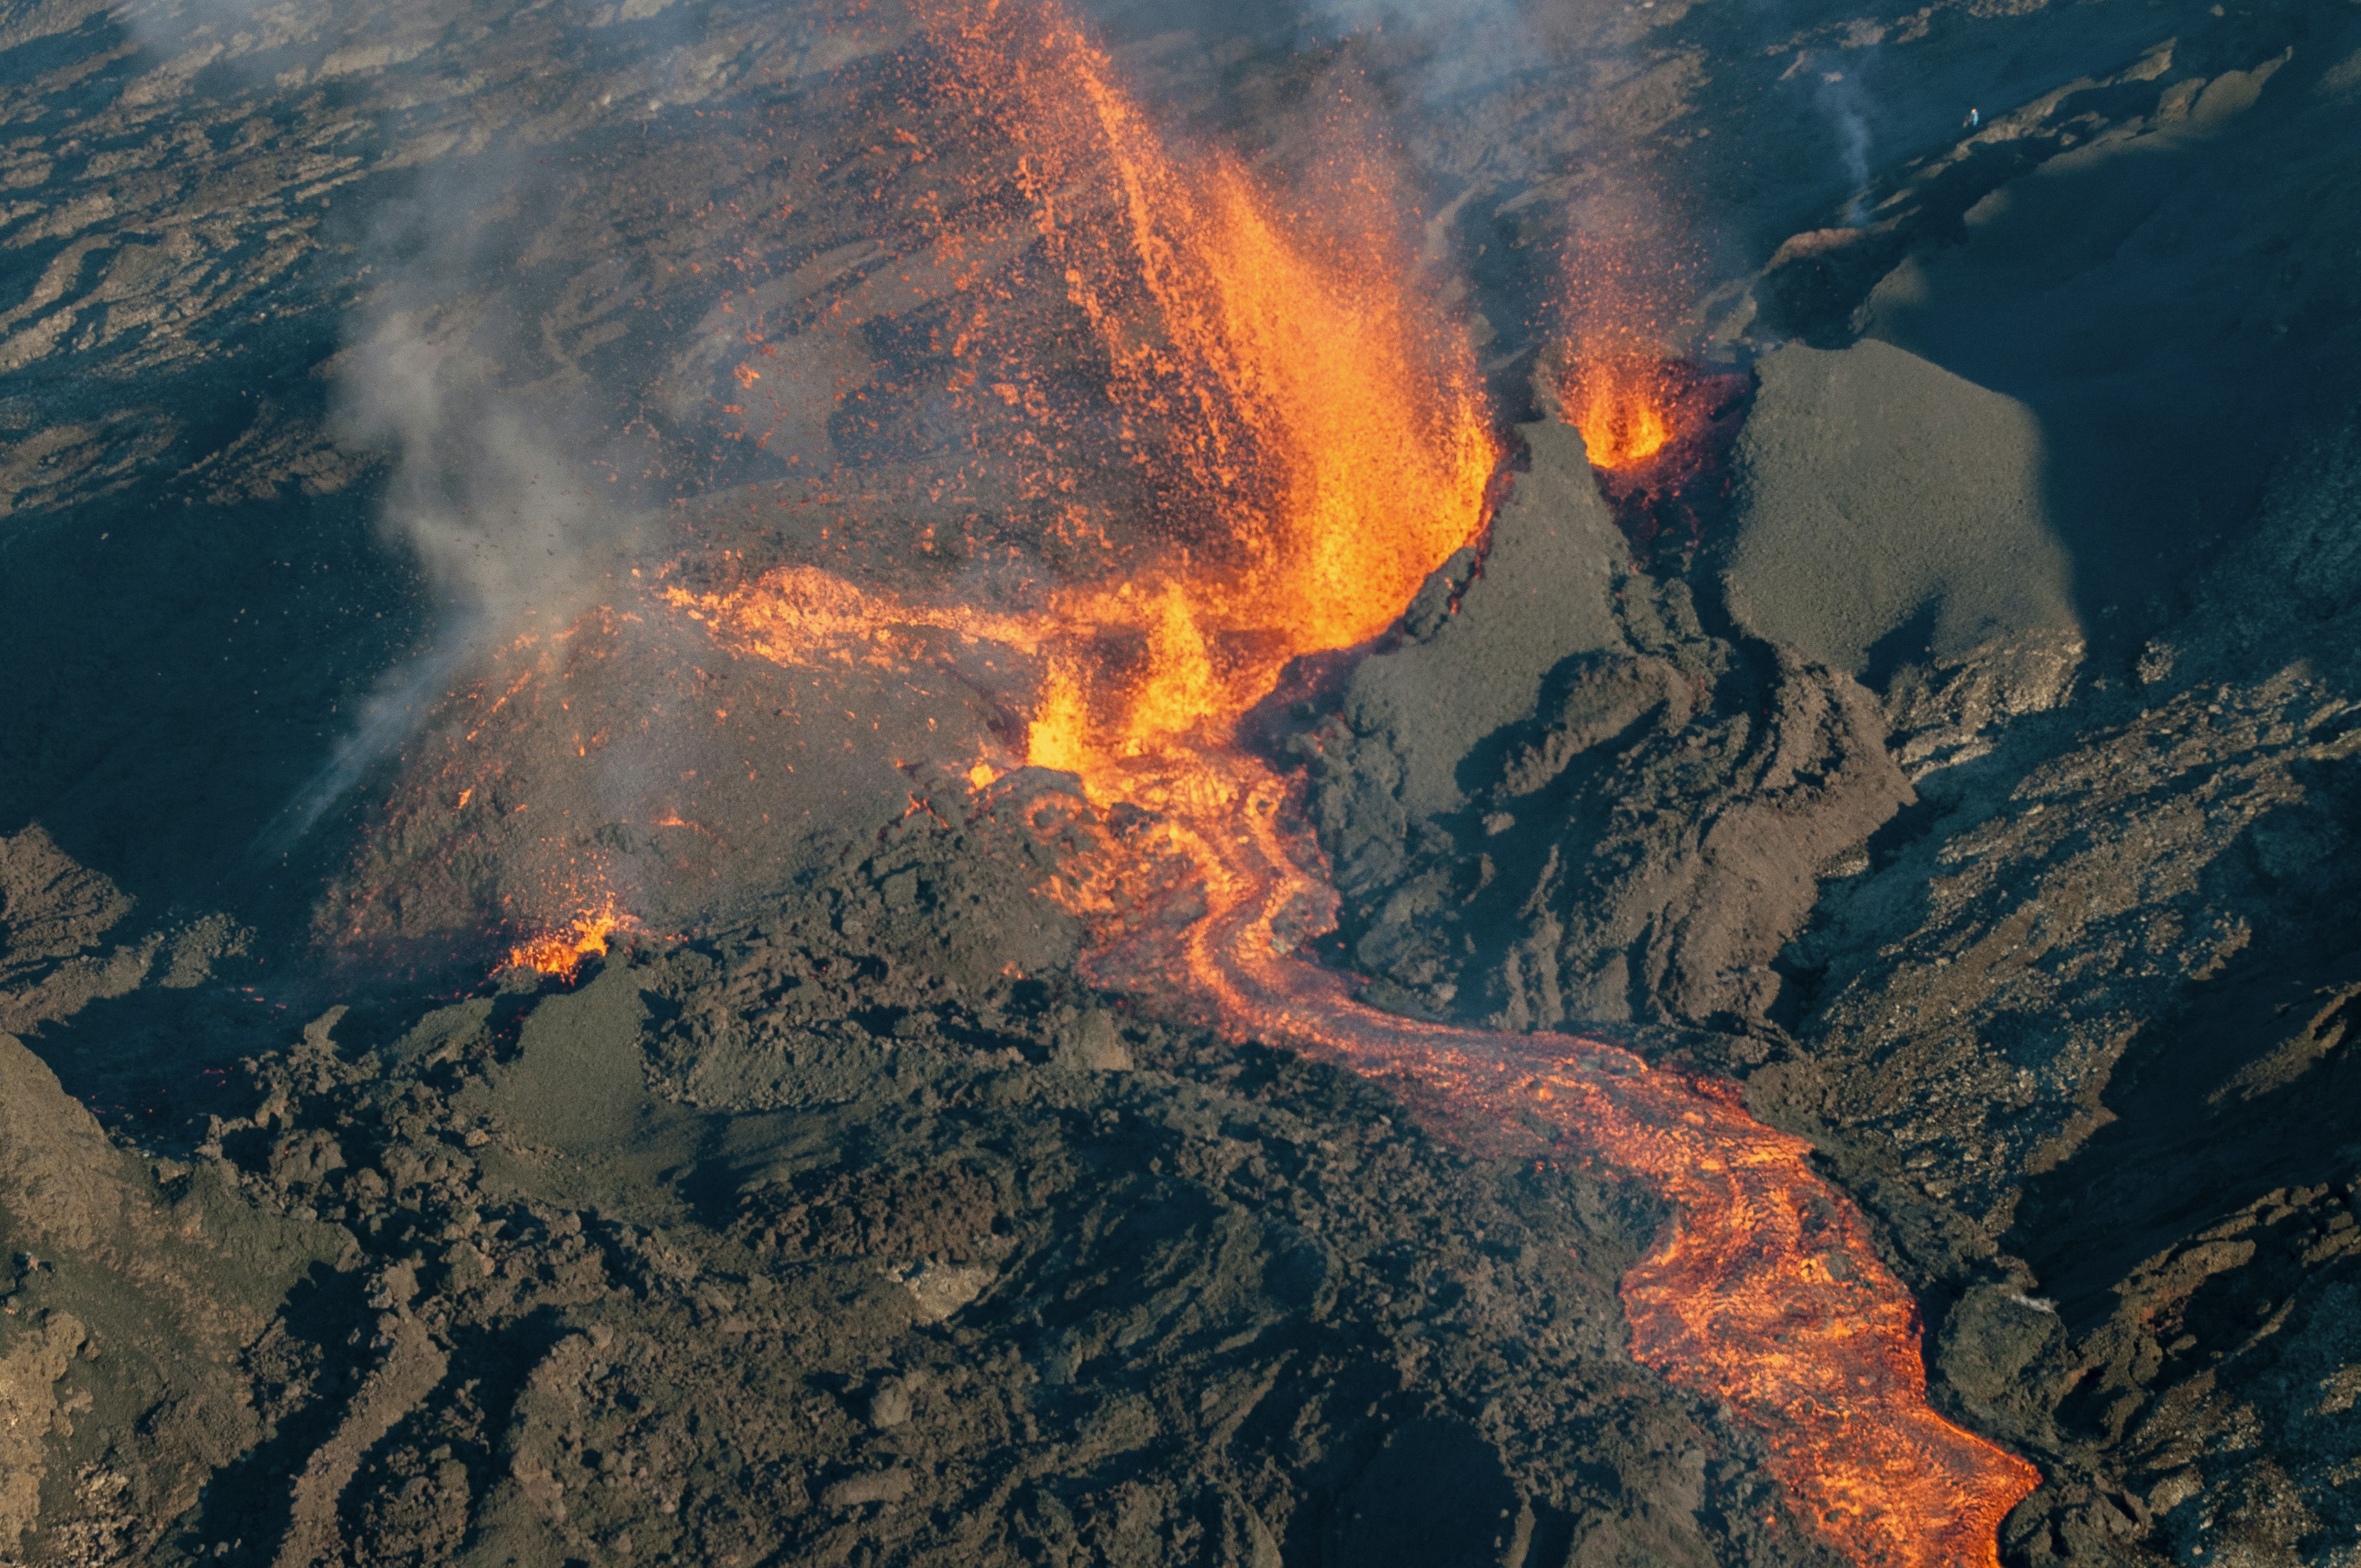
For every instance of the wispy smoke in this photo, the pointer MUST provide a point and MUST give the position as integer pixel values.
(487, 491)
(490, 488)
(180, 37)
(1840, 98)
(485, 497)
(501, 482)
(1469, 44)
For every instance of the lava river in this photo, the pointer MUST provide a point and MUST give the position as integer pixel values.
(1317, 441)
(1767, 1293)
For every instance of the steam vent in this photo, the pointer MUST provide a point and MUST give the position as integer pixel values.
(1078, 783)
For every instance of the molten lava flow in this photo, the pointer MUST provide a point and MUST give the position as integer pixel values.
(562, 952)
(1767, 1293)
(1315, 441)
(800, 614)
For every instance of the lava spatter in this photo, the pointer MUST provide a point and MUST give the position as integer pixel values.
(1619, 405)
(1652, 422)
(1310, 429)
(561, 953)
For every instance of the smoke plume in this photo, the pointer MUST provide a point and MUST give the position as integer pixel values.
(492, 488)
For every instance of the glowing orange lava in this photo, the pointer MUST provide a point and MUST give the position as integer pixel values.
(801, 615)
(1313, 433)
(1621, 407)
(1767, 1293)
(1317, 438)
(562, 952)
(1609, 371)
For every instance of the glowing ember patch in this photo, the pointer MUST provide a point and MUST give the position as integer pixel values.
(1054, 739)
(563, 952)
(980, 775)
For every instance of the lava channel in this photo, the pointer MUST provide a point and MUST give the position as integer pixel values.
(1766, 1292)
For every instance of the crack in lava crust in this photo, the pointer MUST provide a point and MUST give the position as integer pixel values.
(1767, 1293)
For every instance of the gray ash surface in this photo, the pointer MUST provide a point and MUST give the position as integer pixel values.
(1975, 785)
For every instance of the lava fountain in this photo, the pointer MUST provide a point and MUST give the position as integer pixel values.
(562, 953)
(1617, 403)
(1316, 436)
(1652, 422)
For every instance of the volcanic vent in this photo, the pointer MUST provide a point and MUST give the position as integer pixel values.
(1312, 436)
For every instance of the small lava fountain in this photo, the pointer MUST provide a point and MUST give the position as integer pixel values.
(562, 953)
(559, 948)
(1618, 404)
(1653, 422)
(1298, 394)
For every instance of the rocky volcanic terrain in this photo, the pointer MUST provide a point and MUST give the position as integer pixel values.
(1962, 759)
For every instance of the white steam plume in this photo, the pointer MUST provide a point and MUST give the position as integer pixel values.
(481, 495)
(488, 489)
(1473, 43)
(1840, 98)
